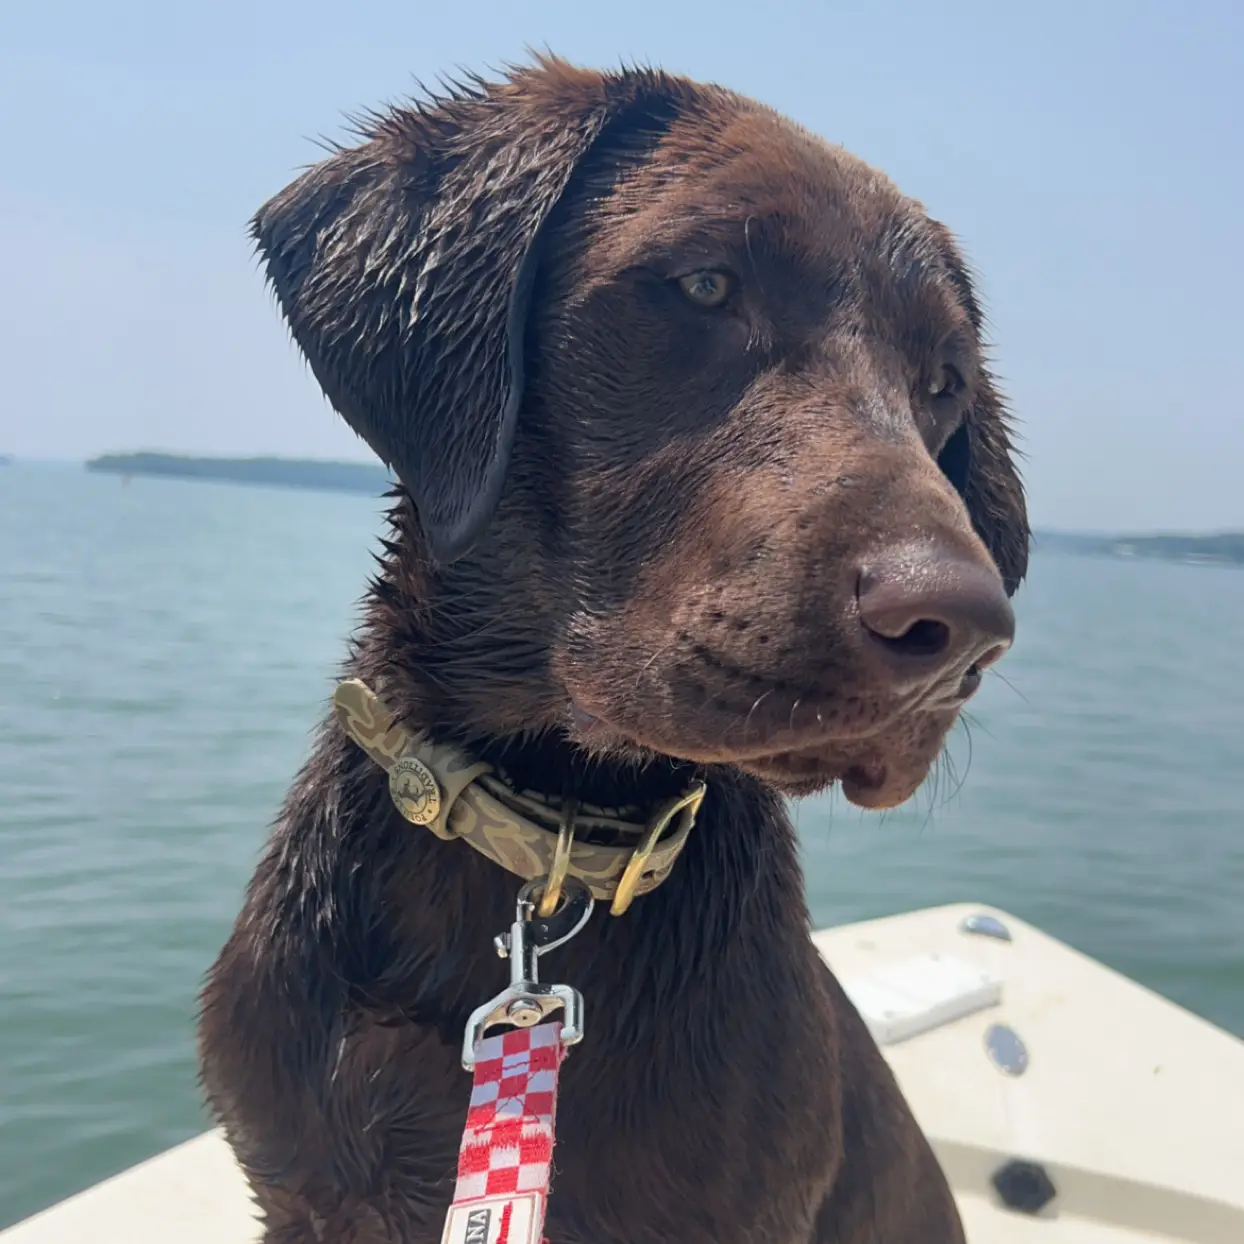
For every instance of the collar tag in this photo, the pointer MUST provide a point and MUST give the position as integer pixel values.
(414, 789)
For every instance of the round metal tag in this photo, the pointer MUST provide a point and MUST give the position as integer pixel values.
(415, 791)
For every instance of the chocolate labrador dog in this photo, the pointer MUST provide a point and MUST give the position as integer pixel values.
(706, 499)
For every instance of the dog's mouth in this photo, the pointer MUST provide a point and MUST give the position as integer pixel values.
(874, 773)
(871, 783)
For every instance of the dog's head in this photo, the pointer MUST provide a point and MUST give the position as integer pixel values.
(704, 456)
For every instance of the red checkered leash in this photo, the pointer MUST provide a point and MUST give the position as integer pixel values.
(505, 1163)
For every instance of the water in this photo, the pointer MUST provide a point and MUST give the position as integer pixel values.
(166, 647)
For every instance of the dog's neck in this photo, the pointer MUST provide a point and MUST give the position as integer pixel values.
(407, 920)
(460, 652)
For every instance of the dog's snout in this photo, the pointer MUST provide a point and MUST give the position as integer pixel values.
(930, 613)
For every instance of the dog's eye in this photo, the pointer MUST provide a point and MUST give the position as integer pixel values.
(707, 289)
(947, 383)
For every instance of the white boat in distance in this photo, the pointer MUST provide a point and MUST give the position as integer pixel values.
(1067, 1104)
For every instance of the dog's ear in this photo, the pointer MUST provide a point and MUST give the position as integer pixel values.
(404, 268)
(979, 459)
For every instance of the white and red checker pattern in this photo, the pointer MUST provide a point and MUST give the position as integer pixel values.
(504, 1165)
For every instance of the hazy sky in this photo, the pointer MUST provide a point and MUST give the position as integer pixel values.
(1088, 154)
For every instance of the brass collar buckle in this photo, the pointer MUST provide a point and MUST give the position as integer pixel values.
(689, 802)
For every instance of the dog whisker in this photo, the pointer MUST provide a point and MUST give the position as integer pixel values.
(747, 721)
(994, 672)
(648, 664)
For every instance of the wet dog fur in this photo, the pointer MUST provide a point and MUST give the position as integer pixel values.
(658, 371)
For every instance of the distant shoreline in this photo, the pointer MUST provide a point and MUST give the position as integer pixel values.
(371, 479)
(356, 477)
(1217, 549)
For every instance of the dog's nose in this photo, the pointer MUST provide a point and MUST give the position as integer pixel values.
(930, 613)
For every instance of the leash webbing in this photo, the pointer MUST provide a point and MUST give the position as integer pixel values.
(505, 1163)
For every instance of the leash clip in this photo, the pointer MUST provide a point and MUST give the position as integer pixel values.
(526, 1001)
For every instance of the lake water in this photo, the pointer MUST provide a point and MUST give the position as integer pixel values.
(167, 646)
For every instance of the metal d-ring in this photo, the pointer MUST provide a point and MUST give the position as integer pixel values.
(624, 895)
(551, 894)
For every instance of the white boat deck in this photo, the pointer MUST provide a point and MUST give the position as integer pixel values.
(1133, 1107)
